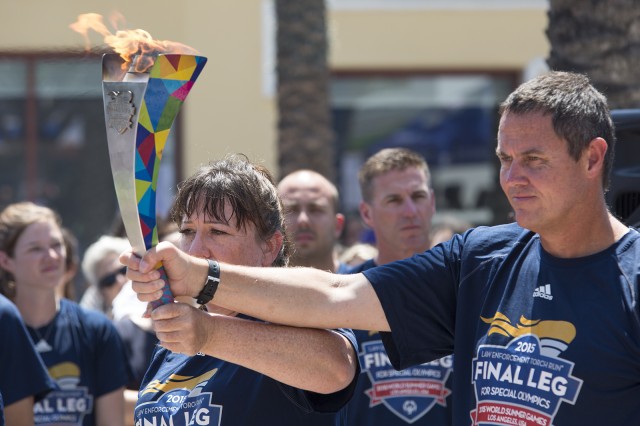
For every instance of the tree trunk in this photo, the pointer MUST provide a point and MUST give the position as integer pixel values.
(600, 38)
(305, 134)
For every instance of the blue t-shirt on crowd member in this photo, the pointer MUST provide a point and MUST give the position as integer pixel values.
(22, 373)
(86, 359)
(418, 395)
(538, 339)
(180, 390)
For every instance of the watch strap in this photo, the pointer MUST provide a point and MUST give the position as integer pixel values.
(210, 286)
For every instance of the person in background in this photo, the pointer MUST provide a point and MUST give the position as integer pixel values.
(313, 221)
(80, 348)
(104, 274)
(543, 314)
(23, 377)
(398, 204)
(251, 373)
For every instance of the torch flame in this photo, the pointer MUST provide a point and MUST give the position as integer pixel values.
(135, 46)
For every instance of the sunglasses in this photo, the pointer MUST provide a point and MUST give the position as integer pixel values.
(110, 279)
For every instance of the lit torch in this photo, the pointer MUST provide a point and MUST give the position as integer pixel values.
(144, 84)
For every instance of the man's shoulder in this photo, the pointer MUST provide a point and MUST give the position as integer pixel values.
(501, 233)
(492, 240)
(508, 228)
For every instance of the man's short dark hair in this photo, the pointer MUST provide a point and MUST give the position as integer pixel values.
(579, 113)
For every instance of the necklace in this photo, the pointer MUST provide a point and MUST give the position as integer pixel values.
(43, 345)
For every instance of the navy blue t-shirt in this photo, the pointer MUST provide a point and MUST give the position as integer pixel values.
(22, 373)
(179, 389)
(418, 395)
(538, 340)
(87, 360)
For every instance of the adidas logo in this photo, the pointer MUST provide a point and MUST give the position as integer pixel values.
(543, 291)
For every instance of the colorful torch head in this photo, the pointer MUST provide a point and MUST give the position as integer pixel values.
(140, 108)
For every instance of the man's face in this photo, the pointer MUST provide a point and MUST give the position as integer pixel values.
(543, 183)
(400, 212)
(311, 220)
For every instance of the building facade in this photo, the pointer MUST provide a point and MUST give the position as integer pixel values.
(422, 73)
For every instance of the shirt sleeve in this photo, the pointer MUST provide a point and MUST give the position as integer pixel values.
(418, 296)
(325, 403)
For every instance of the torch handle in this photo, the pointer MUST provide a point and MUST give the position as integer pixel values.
(167, 296)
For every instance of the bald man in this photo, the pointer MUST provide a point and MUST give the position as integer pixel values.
(313, 222)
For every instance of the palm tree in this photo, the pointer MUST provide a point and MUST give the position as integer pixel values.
(600, 38)
(305, 134)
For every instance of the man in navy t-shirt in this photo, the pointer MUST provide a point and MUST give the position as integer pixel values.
(398, 204)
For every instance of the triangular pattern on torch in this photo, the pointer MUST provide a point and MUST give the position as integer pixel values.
(170, 80)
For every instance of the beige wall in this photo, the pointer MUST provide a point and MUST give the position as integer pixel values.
(228, 110)
(442, 39)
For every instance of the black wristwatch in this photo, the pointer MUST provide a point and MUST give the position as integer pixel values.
(210, 285)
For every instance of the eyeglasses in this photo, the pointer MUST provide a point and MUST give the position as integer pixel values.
(110, 279)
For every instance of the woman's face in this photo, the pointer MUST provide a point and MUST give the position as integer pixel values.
(211, 239)
(38, 258)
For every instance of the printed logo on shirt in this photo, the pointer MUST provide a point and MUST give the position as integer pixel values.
(410, 393)
(179, 401)
(69, 404)
(543, 291)
(525, 382)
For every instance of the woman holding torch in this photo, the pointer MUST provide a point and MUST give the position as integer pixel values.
(254, 373)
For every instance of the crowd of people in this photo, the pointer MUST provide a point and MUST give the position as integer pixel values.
(275, 322)
(540, 314)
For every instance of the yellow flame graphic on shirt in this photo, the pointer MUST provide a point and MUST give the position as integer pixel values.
(64, 369)
(176, 381)
(558, 330)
